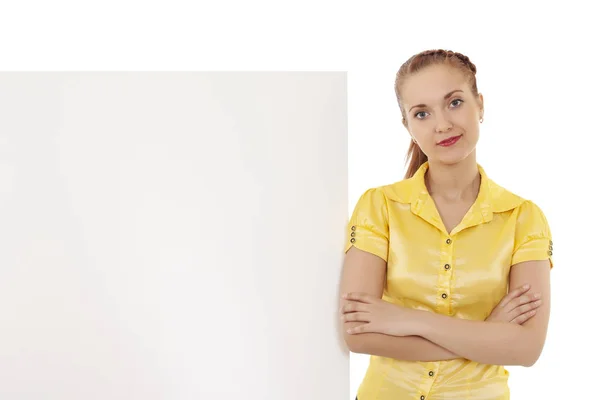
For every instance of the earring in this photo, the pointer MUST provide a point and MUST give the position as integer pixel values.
(481, 120)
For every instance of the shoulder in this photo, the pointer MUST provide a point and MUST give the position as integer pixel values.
(503, 199)
(530, 218)
(399, 191)
(373, 201)
(373, 194)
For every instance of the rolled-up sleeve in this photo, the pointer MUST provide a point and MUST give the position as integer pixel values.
(533, 237)
(368, 228)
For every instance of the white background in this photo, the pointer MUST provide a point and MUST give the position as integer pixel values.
(537, 71)
(172, 235)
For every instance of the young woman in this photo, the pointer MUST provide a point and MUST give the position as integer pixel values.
(430, 259)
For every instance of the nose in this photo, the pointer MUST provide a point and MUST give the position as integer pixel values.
(443, 124)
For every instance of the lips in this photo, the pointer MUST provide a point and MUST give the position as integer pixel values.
(449, 140)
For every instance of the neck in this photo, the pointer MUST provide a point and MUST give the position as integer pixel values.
(454, 183)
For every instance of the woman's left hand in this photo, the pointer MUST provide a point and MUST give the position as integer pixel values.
(379, 316)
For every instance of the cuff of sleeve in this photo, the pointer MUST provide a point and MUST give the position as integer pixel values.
(536, 249)
(364, 239)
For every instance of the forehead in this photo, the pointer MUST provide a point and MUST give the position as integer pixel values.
(430, 84)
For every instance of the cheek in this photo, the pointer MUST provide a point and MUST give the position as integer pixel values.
(423, 138)
(470, 124)
(472, 135)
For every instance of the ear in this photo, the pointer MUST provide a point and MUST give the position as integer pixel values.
(405, 123)
(481, 108)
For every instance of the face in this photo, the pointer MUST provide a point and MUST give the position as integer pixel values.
(439, 104)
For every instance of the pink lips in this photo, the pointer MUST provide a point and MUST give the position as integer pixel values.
(450, 141)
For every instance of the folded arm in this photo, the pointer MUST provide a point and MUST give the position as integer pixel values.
(407, 348)
(496, 342)
(366, 273)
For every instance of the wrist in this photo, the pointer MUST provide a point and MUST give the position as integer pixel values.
(423, 322)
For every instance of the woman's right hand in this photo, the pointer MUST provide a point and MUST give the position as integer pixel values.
(517, 307)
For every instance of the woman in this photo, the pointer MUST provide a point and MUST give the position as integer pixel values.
(430, 259)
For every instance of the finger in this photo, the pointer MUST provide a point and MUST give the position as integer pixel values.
(357, 296)
(354, 306)
(514, 294)
(360, 329)
(524, 299)
(524, 317)
(356, 317)
(525, 308)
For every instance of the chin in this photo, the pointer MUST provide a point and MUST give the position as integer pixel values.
(449, 161)
(452, 157)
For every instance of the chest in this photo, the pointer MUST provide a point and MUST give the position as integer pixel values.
(465, 276)
(451, 213)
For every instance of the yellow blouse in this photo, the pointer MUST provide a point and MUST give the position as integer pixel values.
(464, 274)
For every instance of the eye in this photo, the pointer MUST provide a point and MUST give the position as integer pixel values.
(416, 115)
(461, 101)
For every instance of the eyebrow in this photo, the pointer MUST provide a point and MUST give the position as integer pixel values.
(445, 98)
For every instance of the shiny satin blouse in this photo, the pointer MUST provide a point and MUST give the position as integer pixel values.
(463, 274)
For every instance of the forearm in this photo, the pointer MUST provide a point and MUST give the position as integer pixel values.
(486, 342)
(406, 348)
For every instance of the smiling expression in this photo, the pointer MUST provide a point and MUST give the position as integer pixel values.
(439, 104)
